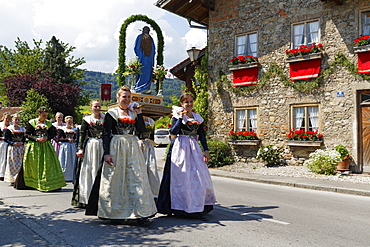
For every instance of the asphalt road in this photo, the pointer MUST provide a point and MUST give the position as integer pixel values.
(246, 214)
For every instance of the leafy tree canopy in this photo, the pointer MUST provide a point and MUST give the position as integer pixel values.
(30, 106)
(50, 71)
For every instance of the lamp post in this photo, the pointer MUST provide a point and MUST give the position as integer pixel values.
(193, 54)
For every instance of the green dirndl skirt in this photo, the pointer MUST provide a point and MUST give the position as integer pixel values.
(41, 167)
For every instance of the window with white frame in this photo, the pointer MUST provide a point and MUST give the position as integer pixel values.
(365, 19)
(305, 33)
(246, 45)
(306, 117)
(246, 120)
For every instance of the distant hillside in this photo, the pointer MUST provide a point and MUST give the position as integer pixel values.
(171, 87)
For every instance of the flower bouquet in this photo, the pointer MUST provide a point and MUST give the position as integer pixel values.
(41, 130)
(192, 122)
(304, 50)
(159, 73)
(125, 125)
(133, 68)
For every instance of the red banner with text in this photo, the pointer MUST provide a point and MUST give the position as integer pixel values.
(106, 91)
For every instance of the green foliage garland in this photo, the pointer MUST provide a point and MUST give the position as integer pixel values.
(306, 86)
(122, 44)
(200, 87)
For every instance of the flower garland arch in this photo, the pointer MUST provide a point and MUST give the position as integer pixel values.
(122, 44)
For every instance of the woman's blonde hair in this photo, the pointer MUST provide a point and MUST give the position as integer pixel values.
(184, 96)
(58, 113)
(123, 89)
(68, 117)
(95, 100)
(6, 114)
(16, 115)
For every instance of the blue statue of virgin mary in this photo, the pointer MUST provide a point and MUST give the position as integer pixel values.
(145, 51)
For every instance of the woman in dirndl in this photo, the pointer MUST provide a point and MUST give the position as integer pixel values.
(124, 192)
(147, 147)
(186, 188)
(68, 149)
(4, 124)
(14, 136)
(41, 166)
(58, 124)
(90, 154)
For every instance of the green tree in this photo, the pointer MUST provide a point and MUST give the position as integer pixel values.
(55, 60)
(30, 105)
(62, 66)
(20, 61)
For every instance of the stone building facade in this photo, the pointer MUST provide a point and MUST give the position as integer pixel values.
(340, 100)
(340, 118)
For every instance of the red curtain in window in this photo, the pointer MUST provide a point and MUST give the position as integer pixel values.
(363, 62)
(306, 69)
(244, 77)
(106, 91)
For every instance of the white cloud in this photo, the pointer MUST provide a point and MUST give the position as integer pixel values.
(92, 26)
(196, 38)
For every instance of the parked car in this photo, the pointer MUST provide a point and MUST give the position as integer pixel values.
(162, 137)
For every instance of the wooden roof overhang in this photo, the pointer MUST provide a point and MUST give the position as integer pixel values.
(193, 10)
(338, 2)
(179, 70)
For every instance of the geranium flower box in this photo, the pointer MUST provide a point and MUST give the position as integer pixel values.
(363, 58)
(295, 143)
(305, 61)
(305, 67)
(244, 70)
(244, 142)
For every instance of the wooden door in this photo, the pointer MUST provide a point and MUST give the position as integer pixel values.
(365, 134)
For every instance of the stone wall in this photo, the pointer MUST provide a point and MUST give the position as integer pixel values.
(339, 26)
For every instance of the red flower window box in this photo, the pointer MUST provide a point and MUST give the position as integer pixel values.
(305, 67)
(363, 58)
(244, 74)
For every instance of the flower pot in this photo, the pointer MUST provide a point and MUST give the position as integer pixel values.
(244, 142)
(343, 165)
(304, 143)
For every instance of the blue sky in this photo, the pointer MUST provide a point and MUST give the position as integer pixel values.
(92, 26)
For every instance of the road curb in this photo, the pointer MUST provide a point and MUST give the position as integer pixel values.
(292, 184)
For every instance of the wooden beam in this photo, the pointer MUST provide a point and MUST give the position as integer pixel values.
(339, 2)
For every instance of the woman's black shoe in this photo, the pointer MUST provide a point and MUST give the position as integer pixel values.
(143, 221)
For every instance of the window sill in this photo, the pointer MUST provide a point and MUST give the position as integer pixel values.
(244, 142)
(304, 58)
(243, 66)
(359, 49)
(293, 143)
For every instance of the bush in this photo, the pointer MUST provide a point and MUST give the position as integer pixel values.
(163, 123)
(344, 154)
(220, 153)
(323, 161)
(270, 154)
